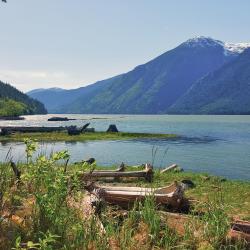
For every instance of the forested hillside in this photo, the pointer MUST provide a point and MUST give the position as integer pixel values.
(225, 91)
(13, 102)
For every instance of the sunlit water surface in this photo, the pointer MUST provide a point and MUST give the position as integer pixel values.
(219, 145)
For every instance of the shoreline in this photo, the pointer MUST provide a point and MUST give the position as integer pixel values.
(88, 136)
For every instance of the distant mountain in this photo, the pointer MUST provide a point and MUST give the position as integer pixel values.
(11, 96)
(36, 91)
(55, 98)
(150, 88)
(224, 91)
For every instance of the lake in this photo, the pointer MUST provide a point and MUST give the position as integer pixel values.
(218, 145)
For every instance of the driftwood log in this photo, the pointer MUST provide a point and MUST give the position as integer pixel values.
(11, 129)
(170, 168)
(11, 118)
(73, 130)
(147, 174)
(240, 230)
(171, 196)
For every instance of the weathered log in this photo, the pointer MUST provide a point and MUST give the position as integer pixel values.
(11, 118)
(73, 130)
(147, 174)
(171, 196)
(84, 127)
(11, 129)
(172, 167)
(240, 230)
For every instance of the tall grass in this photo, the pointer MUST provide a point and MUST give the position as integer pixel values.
(45, 219)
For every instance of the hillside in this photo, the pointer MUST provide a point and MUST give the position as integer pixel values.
(150, 88)
(225, 91)
(13, 102)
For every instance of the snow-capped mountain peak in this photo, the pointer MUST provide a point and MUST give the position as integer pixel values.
(202, 41)
(229, 48)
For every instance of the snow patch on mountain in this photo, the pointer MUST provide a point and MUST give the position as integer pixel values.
(236, 47)
(202, 41)
(229, 48)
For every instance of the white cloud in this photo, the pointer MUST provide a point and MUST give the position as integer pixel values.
(27, 80)
(31, 74)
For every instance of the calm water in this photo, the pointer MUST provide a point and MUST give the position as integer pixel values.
(218, 145)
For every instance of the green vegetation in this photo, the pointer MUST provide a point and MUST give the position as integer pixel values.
(89, 136)
(225, 91)
(45, 209)
(14, 103)
(10, 107)
(190, 79)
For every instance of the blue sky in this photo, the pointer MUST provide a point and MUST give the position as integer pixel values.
(72, 43)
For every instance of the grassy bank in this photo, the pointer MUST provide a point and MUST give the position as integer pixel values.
(63, 136)
(47, 209)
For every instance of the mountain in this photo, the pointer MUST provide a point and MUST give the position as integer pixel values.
(150, 88)
(18, 102)
(55, 98)
(224, 91)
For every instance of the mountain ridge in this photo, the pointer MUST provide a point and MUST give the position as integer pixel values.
(149, 88)
(224, 91)
(29, 105)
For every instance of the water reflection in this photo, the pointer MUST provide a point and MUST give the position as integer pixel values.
(178, 140)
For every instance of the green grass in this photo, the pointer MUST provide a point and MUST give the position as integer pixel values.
(63, 136)
(235, 193)
(46, 219)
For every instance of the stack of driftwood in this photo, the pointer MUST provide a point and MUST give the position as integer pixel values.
(171, 196)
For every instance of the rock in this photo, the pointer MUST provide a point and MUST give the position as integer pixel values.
(90, 161)
(55, 118)
(112, 128)
(186, 184)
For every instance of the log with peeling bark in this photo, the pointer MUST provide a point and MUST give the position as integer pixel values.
(171, 196)
(172, 167)
(240, 230)
(147, 173)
